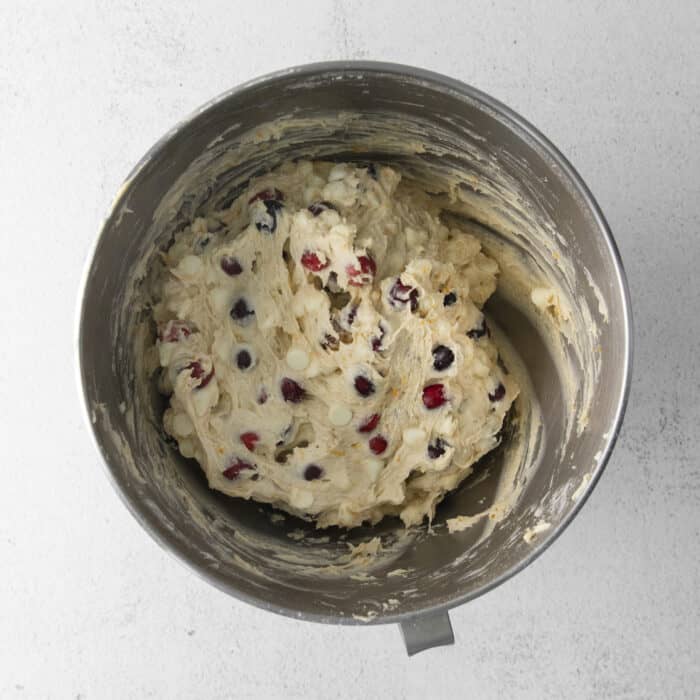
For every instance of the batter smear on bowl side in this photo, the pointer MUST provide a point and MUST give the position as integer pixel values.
(324, 349)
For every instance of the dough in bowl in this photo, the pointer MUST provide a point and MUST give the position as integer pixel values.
(324, 349)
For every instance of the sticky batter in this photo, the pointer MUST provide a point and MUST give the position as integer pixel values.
(324, 349)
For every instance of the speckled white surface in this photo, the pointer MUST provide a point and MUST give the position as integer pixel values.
(90, 607)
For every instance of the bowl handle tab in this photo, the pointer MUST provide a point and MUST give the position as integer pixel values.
(425, 631)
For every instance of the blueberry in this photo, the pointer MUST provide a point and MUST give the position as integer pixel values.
(240, 311)
(372, 171)
(243, 359)
(449, 299)
(266, 222)
(443, 357)
(479, 331)
(437, 449)
(231, 266)
(312, 472)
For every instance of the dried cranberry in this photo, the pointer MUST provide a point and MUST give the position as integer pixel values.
(319, 207)
(364, 386)
(173, 331)
(443, 357)
(449, 299)
(378, 339)
(291, 391)
(266, 221)
(269, 194)
(370, 424)
(231, 266)
(312, 472)
(434, 395)
(479, 331)
(197, 372)
(363, 275)
(250, 439)
(240, 311)
(498, 394)
(236, 468)
(378, 444)
(437, 448)
(402, 293)
(312, 262)
(243, 359)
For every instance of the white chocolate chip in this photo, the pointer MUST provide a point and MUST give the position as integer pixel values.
(414, 436)
(339, 414)
(338, 172)
(297, 359)
(301, 499)
(374, 467)
(446, 425)
(182, 425)
(203, 399)
(189, 266)
(186, 447)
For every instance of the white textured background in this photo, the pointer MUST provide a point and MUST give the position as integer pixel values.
(90, 607)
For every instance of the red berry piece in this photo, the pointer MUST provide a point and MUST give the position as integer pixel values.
(270, 194)
(364, 274)
(351, 314)
(434, 396)
(377, 340)
(198, 372)
(174, 331)
(437, 449)
(313, 472)
(231, 266)
(443, 357)
(401, 293)
(318, 208)
(291, 391)
(370, 424)
(238, 465)
(364, 386)
(311, 261)
(250, 439)
(498, 393)
(378, 444)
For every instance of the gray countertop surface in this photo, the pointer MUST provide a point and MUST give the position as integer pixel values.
(90, 607)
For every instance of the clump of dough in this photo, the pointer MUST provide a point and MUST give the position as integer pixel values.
(324, 349)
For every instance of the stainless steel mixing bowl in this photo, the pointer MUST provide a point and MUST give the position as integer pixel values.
(502, 178)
